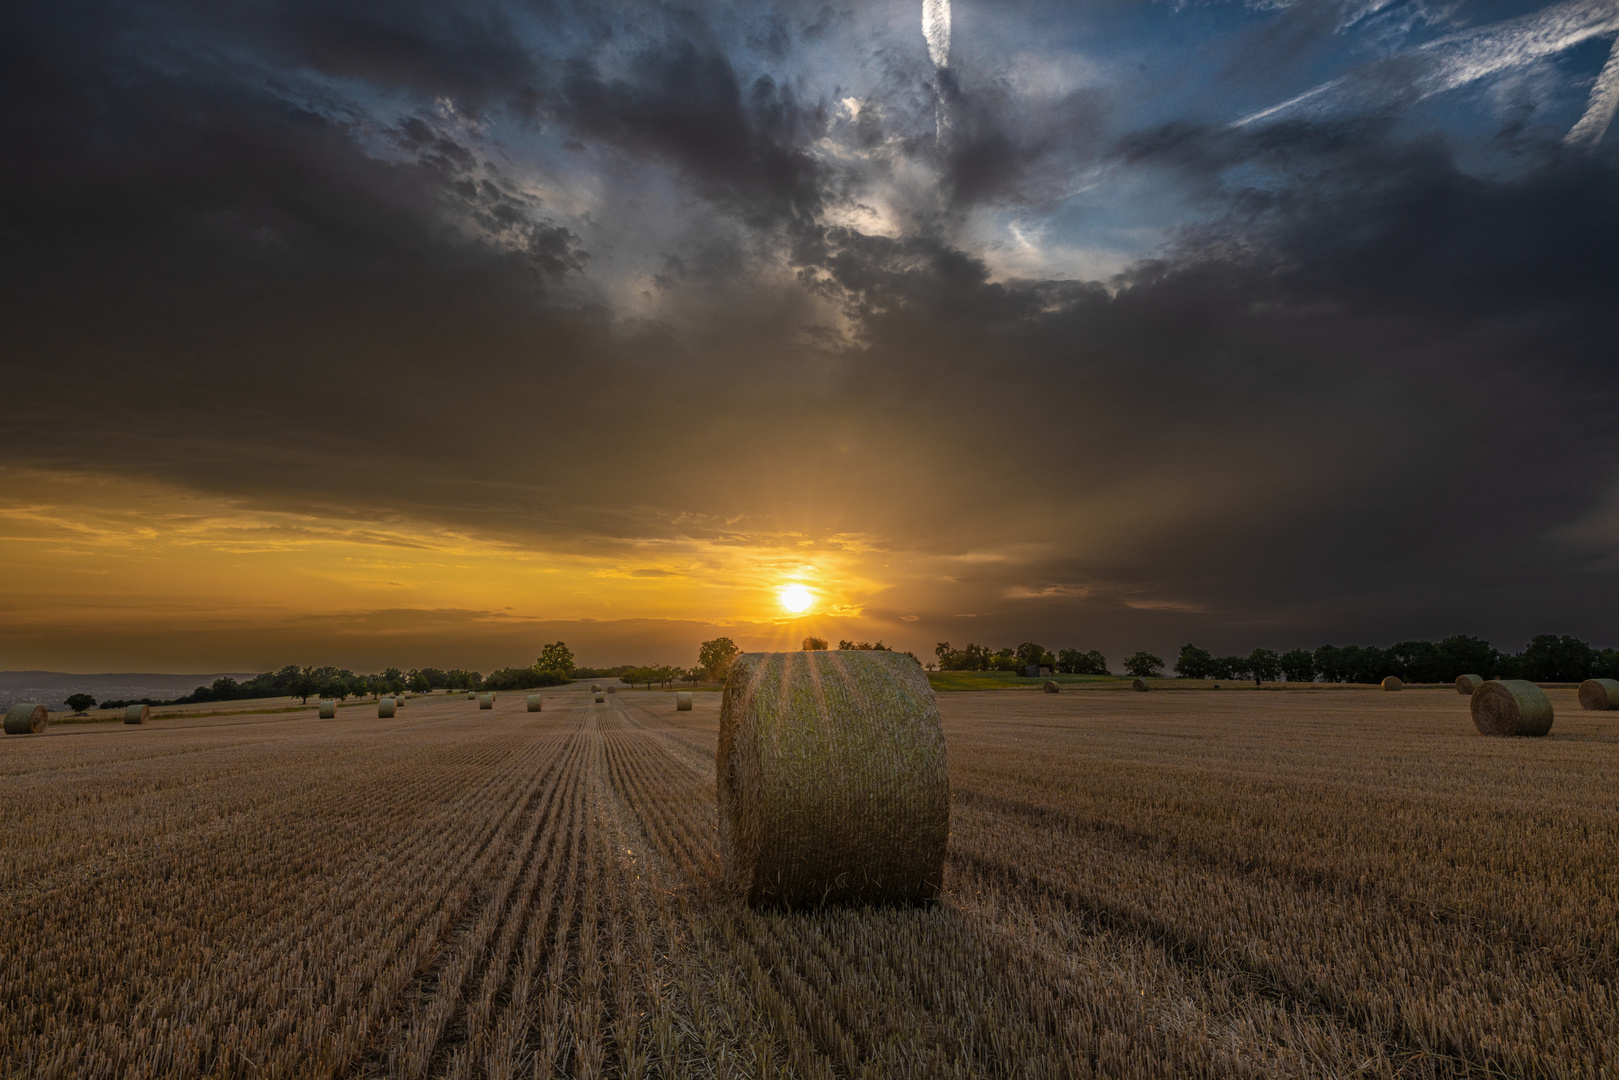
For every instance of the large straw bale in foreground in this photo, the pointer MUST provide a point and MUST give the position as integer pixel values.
(536, 703)
(27, 718)
(1598, 695)
(1511, 707)
(385, 707)
(328, 709)
(1393, 683)
(137, 714)
(486, 701)
(832, 779)
(1466, 684)
(682, 701)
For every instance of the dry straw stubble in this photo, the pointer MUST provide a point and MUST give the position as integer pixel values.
(1510, 707)
(682, 701)
(137, 714)
(831, 779)
(1599, 695)
(536, 703)
(1466, 684)
(27, 718)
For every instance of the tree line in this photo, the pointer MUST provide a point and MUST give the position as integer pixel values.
(1547, 658)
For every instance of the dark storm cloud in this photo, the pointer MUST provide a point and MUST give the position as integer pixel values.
(1363, 393)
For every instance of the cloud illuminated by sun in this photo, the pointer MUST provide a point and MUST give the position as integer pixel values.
(796, 598)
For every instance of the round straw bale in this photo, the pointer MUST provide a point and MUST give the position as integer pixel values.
(1393, 683)
(536, 703)
(1511, 707)
(682, 701)
(1138, 685)
(612, 689)
(600, 697)
(399, 701)
(137, 714)
(1466, 684)
(1049, 687)
(1598, 695)
(328, 710)
(832, 779)
(385, 707)
(594, 689)
(472, 695)
(486, 701)
(27, 718)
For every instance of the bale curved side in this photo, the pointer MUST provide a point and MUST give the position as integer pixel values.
(536, 703)
(385, 707)
(486, 701)
(600, 698)
(1466, 684)
(1508, 707)
(1393, 683)
(682, 701)
(328, 710)
(832, 779)
(399, 701)
(472, 695)
(1139, 686)
(27, 718)
(1049, 687)
(137, 714)
(1599, 695)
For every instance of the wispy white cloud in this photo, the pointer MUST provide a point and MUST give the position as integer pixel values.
(1604, 100)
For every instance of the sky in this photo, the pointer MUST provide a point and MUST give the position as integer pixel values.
(423, 333)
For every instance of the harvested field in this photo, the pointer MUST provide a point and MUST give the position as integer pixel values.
(1250, 884)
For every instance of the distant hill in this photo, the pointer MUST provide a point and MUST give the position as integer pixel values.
(51, 688)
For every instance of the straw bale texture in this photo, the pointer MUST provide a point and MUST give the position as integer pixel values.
(1466, 684)
(832, 779)
(536, 703)
(328, 710)
(682, 701)
(137, 714)
(472, 695)
(399, 701)
(1393, 683)
(1049, 687)
(612, 689)
(600, 697)
(385, 707)
(1138, 686)
(594, 689)
(1511, 707)
(1598, 695)
(27, 718)
(486, 701)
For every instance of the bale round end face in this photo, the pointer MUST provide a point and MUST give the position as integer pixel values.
(536, 703)
(27, 718)
(594, 689)
(1049, 687)
(1599, 695)
(385, 707)
(1466, 684)
(600, 698)
(1393, 683)
(1138, 685)
(831, 780)
(682, 701)
(1508, 707)
(328, 710)
(486, 701)
(137, 714)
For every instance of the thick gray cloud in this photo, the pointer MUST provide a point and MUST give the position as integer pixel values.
(1359, 390)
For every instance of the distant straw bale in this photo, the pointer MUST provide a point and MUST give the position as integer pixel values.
(832, 779)
(399, 701)
(472, 695)
(536, 703)
(1599, 695)
(137, 714)
(1466, 684)
(328, 710)
(486, 701)
(594, 689)
(600, 697)
(385, 707)
(1049, 687)
(1138, 685)
(1511, 707)
(27, 718)
(1393, 683)
(682, 701)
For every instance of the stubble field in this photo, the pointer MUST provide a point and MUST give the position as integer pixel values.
(1317, 883)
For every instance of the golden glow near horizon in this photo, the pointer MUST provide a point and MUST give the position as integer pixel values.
(797, 598)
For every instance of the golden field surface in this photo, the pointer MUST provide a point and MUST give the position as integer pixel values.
(1323, 883)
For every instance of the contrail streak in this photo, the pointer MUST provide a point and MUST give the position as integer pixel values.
(936, 28)
(1599, 112)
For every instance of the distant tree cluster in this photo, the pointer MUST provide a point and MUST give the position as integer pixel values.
(1548, 658)
(1029, 654)
(660, 675)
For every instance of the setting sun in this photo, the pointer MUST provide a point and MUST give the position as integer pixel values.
(796, 598)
